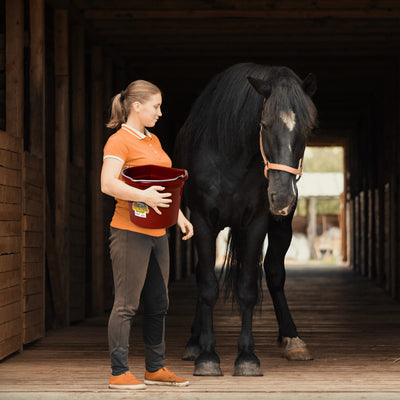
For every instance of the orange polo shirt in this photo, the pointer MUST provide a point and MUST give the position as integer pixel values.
(133, 149)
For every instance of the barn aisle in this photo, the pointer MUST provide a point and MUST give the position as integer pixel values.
(352, 329)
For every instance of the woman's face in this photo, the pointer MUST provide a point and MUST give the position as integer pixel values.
(150, 111)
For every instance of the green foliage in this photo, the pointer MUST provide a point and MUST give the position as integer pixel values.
(323, 159)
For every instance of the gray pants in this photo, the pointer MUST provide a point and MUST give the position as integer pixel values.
(140, 268)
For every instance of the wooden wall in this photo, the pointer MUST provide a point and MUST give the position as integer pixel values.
(11, 142)
(374, 181)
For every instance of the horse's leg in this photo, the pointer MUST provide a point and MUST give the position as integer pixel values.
(207, 363)
(279, 237)
(192, 348)
(251, 241)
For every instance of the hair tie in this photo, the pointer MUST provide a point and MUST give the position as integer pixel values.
(122, 95)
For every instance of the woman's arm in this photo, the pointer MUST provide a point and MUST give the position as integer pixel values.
(111, 185)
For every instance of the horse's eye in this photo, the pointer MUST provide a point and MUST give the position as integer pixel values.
(264, 124)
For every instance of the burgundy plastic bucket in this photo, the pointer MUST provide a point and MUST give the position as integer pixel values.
(172, 179)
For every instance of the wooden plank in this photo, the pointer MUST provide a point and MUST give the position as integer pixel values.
(33, 269)
(37, 77)
(363, 235)
(78, 95)
(10, 345)
(33, 318)
(33, 302)
(33, 286)
(10, 177)
(10, 295)
(33, 176)
(56, 286)
(10, 278)
(61, 65)
(33, 224)
(10, 312)
(33, 208)
(10, 244)
(10, 212)
(10, 329)
(10, 195)
(32, 162)
(9, 262)
(97, 244)
(10, 159)
(15, 70)
(32, 255)
(32, 333)
(387, 242)
(33, 239)
(10, 228)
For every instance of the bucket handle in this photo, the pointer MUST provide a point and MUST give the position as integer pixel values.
(153, 180)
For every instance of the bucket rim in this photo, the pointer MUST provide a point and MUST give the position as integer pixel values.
(181, 176)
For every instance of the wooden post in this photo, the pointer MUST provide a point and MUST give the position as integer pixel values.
(78, 95)
(61, 68)
(378, 235)
(312, 225)
(11, 148)
(78, 175)
(108, 201)
(37, 71)
(96, 195)
(362, 232)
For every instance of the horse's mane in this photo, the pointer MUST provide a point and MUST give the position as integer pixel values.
(227, 113)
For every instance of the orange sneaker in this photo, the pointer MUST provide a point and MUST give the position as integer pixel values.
(125, 381)
(164, 377)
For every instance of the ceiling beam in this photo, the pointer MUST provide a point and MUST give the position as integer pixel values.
(342, 13)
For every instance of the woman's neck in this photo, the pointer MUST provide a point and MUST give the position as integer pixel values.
(134, 123)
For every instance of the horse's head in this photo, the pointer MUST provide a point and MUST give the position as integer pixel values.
(288, 116)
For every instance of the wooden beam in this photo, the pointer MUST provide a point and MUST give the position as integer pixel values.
(78, 95)
(96, 195)
(62, 115)
(37, 75)
(14, 67)
(292, 14)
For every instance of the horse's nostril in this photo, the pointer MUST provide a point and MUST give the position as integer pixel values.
(273, 197)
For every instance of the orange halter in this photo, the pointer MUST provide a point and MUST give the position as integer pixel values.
(280, 167)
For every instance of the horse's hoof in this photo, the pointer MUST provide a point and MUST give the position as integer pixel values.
(191, 353)
(294, 349)
(207, 368)
(247, 368)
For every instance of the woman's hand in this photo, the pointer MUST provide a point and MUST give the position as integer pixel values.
(185, 226)
(154, 198)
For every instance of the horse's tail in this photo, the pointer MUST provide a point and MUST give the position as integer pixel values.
(231, 269)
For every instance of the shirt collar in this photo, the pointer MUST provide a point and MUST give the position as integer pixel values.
(135, 132)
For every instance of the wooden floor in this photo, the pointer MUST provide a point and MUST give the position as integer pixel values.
(351, 327)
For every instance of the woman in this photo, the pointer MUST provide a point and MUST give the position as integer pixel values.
(140, 256)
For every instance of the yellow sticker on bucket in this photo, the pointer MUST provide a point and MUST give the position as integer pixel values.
(141, 210)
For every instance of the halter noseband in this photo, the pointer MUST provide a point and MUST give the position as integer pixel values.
(280, 167)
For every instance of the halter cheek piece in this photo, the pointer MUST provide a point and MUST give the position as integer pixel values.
(280, 167)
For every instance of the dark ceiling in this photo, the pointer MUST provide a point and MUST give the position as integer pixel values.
(180, 44)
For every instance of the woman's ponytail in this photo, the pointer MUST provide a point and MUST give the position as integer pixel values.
(118, 114)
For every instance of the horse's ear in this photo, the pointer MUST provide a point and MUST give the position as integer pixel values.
(262, 87)
(310, 84)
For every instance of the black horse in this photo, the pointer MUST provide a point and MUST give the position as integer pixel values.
(243, 144)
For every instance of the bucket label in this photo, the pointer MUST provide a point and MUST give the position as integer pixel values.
(141, 210)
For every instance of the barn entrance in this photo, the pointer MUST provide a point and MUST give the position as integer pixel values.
(62, 61)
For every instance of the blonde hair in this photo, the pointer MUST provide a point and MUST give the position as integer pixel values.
(140, 91)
